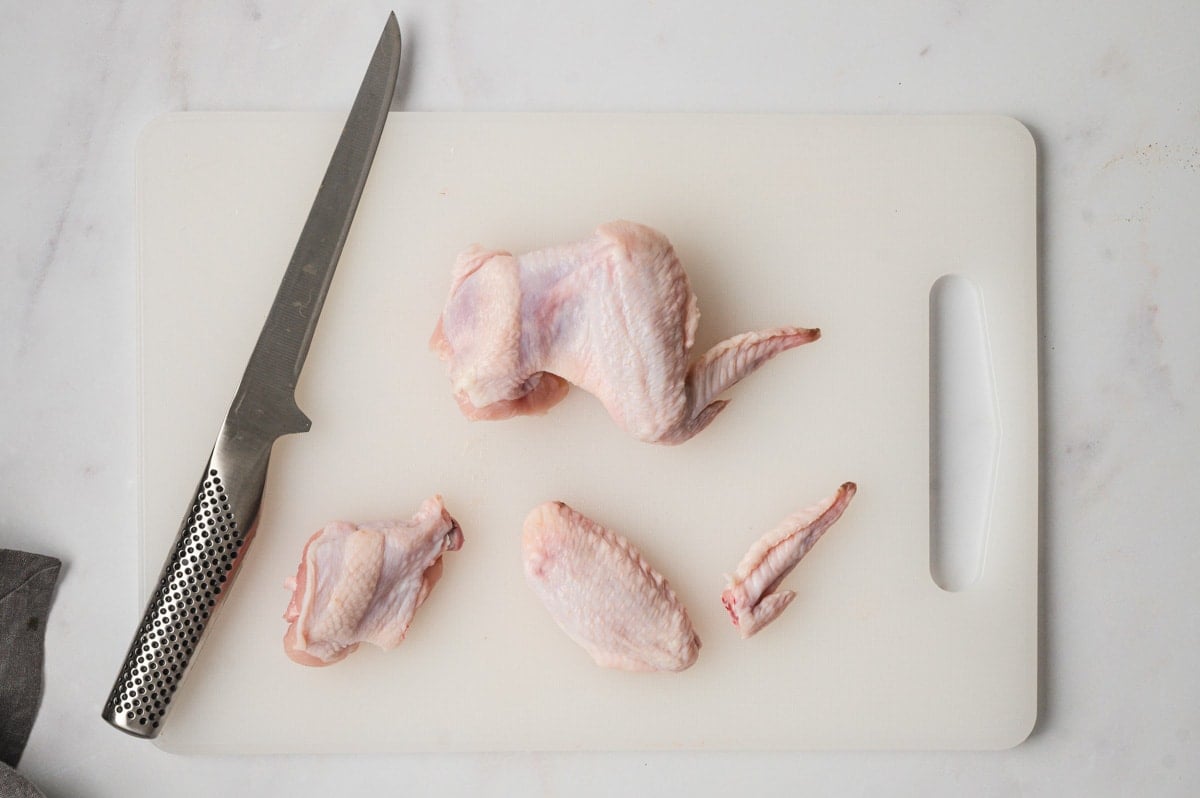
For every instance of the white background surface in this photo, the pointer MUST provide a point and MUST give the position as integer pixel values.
(1110, 93)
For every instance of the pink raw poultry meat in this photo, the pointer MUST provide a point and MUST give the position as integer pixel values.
(364, 582)
(613, 314)
(751, 599)
(603, 594)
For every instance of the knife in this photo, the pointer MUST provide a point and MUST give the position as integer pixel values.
(221, 518)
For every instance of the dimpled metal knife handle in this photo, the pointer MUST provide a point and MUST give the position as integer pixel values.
(195, 580)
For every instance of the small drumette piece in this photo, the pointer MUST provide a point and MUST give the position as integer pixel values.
(362, 583)
(750, 598)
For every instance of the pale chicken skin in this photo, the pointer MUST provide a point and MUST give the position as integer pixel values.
(362, 583)
(613, 314)
(750, 598)
(601, 591)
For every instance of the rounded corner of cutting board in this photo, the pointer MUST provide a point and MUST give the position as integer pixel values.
(1022, 134)
(1018, 730)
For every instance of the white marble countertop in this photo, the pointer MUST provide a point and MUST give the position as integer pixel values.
(1112, 95)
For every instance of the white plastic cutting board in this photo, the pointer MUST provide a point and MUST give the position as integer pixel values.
(843, 223)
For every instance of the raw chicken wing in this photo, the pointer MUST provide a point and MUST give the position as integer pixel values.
(613, 314)
(604, 595)
(751, 599)
(364, 582)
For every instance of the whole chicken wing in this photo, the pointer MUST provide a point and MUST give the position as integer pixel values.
(613, 314)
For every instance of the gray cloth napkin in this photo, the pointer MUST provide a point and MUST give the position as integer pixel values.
(14, 785)
(26, 588)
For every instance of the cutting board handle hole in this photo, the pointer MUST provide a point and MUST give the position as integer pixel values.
(964, 433)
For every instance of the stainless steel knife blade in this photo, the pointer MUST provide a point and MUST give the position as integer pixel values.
(223, 513)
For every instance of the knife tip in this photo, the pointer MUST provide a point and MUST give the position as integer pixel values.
(390, 38)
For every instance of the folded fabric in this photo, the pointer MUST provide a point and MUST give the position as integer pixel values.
(14, 785)
(26, 588)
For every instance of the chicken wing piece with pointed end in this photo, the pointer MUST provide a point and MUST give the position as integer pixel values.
(613, 314)
(750, 598)
(603, 594)
(361, 583)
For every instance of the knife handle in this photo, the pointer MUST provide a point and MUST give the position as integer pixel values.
(198, 573)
